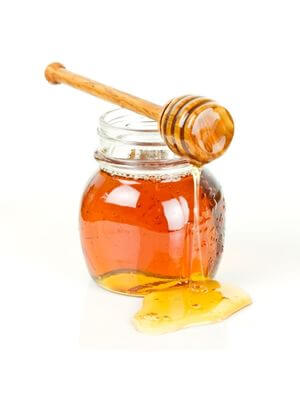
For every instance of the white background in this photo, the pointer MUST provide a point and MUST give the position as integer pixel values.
(61, 336)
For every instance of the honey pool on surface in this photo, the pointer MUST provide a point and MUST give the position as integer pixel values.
(172, 304)
(172, 309)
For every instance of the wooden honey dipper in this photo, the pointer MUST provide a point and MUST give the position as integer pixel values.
(196, 128)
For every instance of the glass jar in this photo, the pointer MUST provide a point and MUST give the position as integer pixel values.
(136, 217)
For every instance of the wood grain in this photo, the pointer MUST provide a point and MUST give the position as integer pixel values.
(56, 73)
(197, 128)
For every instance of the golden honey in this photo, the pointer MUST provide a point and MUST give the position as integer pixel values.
(172, 309)
(137, 234)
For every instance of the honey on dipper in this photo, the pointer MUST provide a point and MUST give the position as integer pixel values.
(152, 217)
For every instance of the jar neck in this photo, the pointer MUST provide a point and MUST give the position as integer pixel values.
(131, 145)
(137, 169)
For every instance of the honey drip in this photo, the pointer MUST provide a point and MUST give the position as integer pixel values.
(196, 265)
(198, 300)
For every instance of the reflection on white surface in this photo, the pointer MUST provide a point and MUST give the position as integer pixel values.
(106, 322)
(174, 214)
(176, 246)
(129, 182)
(123, 195)
(185, 209)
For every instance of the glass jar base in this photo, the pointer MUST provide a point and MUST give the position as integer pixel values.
(134, 283)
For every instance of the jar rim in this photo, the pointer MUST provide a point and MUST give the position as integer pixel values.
(132, 143)
(108, 125)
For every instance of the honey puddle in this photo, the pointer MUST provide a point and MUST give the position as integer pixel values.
(197, 301)
(172, 309)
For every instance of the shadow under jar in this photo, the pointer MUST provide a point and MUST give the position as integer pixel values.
(136, 217)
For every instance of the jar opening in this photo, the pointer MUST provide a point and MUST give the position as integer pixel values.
(129, 128)
(133, 142)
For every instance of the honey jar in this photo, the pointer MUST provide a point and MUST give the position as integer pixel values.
(137, 211)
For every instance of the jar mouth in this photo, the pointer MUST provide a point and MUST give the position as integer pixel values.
(133, 142)
(124, 126)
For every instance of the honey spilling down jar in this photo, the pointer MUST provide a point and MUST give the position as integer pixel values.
(137, 212)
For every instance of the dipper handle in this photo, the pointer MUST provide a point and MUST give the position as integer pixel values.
(56, 73)
(196, 128)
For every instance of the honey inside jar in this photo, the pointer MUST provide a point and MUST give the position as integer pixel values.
(137, 234)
